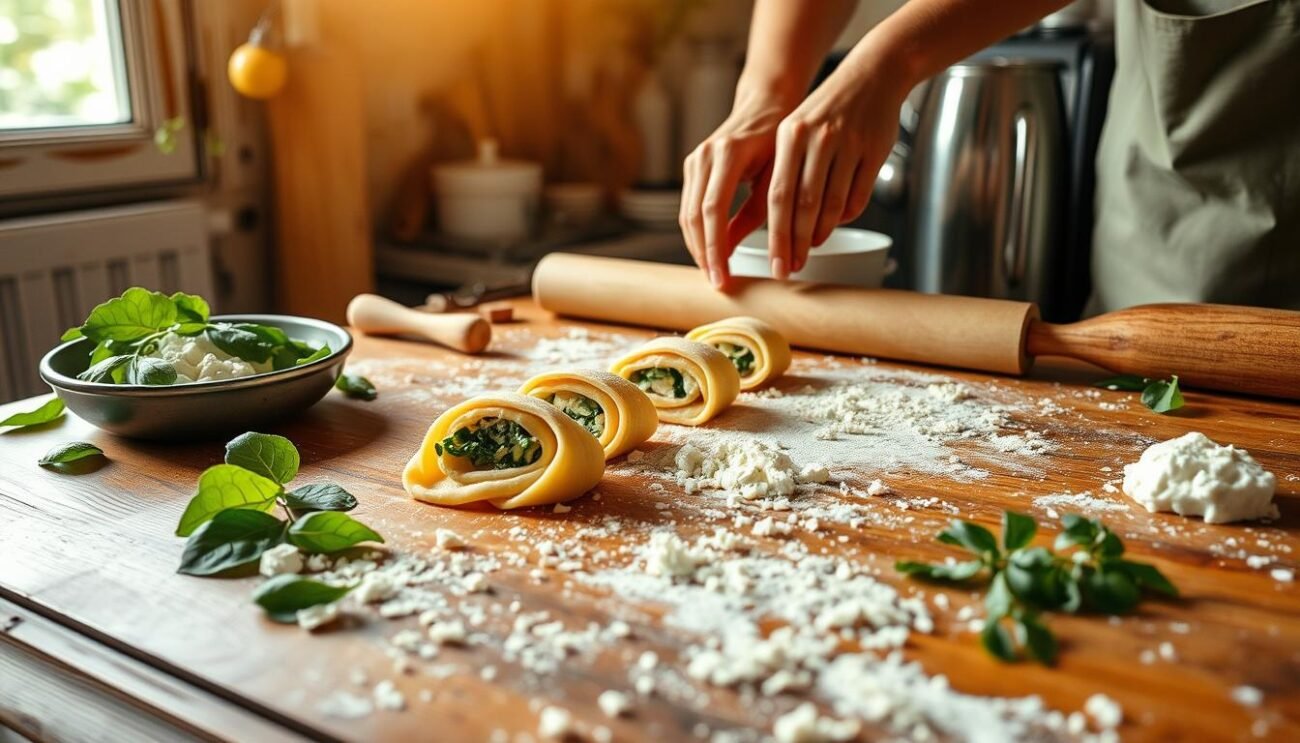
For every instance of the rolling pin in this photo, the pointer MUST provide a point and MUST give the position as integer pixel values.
(463, 331)
(1235, 349)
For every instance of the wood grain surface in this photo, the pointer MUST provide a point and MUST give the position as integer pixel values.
(94, 551)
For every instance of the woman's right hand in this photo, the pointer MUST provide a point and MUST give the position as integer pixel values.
(741, 150)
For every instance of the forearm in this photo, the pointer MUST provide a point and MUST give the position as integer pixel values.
(925, 36)
(788, 40)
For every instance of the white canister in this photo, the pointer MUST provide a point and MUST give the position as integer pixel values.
(488, 198)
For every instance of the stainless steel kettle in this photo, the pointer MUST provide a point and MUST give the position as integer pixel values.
(986, 181)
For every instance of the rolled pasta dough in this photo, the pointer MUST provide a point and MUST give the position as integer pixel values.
(710, 381)
(627, 417)
(771, 351)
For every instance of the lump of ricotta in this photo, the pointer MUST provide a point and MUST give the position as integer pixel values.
(197, 359)
(1193, 476)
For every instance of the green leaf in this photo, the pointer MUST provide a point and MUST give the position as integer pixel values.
(330, 531)
(320, 497)
(317, 355)
(240, 342)
(135, 314)
(226, 486)
(285, 595)
(1162, 396)
(71, 334)
(149, 371)
(232, 538)
(191, 308)
(973, 537)
(1017, 530)
(103, 371)
(1109, 546)
(1077, 531)
(70, 452)
(1124, 382)
(268, 333)
(1037, 639)
(355, 385)
(998, 601)
(273, 457)
(997, 641)
(1036, 577)
(956, 572)
(1109, 591)
(50, 411)
(1147, 576)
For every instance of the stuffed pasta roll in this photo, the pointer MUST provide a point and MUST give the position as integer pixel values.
(614, 410)
(759, 353)
(688, 382)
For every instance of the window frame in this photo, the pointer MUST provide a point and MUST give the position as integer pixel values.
(62, 160)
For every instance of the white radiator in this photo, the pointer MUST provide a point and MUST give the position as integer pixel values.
(55, 269)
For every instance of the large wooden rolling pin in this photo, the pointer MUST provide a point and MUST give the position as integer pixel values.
(1235, 349)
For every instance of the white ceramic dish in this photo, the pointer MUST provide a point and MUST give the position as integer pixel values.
(488, 199)
(849, 256)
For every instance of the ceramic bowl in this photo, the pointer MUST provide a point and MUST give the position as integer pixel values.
(849, 256)
(204, 409)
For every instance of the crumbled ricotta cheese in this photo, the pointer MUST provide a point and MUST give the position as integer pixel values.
(279, 560)
(668, 556)
(805, 725)
(448, 633)
(1193, 476)
(376, 587)
(448, 540)
(387, 696)
(197, 359)
(317, 616)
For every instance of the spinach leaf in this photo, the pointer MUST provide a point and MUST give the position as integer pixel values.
(330, 531)
(316, 355)
(191, 308)
(134, 315)
(285, 595)
(149, 371)
(357, 386)
(973, 537)
(320, 497)
(1017, 530)
(273, 457)
(50, 411)
(232, 538)
(1162, 397)
(997, 640)
(1124, 382)
(71, 452)
(105, 371)
(71, 334)
(226, 486)
(240, 342)
(1037, 639)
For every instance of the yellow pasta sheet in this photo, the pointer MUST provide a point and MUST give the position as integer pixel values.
(712, 383)
(770, 348)
(627, 416)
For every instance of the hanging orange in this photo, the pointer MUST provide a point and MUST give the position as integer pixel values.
(257, 72)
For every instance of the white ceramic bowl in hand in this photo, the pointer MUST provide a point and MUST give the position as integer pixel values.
(849, 256)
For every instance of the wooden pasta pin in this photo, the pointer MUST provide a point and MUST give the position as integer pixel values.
(759, 353)
(614, 410)
(688, 382)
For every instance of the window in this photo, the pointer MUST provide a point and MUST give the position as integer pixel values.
(93, 95)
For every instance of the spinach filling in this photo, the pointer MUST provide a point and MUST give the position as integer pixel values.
(660, 381)
(742, 358)
(582, 409)
(492, 443)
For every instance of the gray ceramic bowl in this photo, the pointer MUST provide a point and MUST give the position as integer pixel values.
(205, 409)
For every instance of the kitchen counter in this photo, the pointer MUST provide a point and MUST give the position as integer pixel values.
(98, 632)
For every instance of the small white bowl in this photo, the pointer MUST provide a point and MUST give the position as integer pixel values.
(849, 256)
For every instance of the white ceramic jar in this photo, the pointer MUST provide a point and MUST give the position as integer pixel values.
(488, 199)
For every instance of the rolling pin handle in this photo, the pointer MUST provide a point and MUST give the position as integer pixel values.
(375, 315)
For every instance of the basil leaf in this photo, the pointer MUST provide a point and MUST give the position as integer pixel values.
(240, 342)
(71, 452)
(50, 411)
(1017, 530)
(1110, 545)
(957, 572)
(268, 333)
(103, 371)
(1110, 591)
(317, 355)
(1037, 639)
(320, 497)
(232, 538)
(273, 457)
(330, 531)
(998, 601)
(1124, 382)
(191, 308)
(135, 314)
(997, 641)
(1035, 577)
(226, 486)
(1147, 576)
(973, 537)
(1162, 396)
(285, 595)
(1078, 531)
(355, 385)
(149, 371)
(71, 334)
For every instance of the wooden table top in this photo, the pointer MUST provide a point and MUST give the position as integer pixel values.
(95, 552)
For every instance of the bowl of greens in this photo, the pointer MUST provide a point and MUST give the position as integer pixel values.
(149, 365)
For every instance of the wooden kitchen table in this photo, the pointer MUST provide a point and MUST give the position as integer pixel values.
(100, 638)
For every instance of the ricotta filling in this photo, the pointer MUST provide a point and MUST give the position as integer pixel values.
(665, 382)
(1194, 476)
(197, 359)
(582, 409)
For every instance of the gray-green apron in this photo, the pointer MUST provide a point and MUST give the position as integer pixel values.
(1198, 171)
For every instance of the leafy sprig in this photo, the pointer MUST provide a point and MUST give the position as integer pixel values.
(1160, 395)
(229, 522)
(127, 329)
(1086, 571)
(46, 413)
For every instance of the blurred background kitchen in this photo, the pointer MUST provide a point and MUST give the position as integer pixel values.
(418, 147)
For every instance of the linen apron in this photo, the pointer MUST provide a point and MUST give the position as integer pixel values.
(1198, 170)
